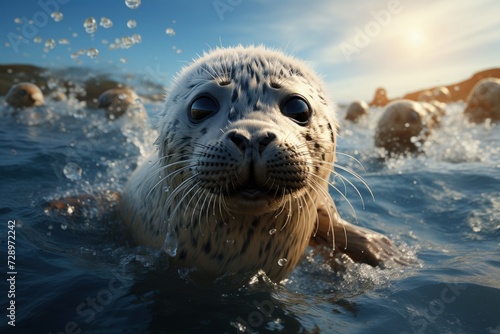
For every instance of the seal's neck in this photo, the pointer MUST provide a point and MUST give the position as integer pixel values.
(217, 243)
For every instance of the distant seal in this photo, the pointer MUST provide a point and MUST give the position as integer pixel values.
(118, 102)
(356, 110)
(24, 95)
(405, 125)
(483, 101)
(240, 180)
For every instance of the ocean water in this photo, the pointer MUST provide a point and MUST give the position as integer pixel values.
(79, 272)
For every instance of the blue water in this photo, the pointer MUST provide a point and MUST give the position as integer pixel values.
(78, 272)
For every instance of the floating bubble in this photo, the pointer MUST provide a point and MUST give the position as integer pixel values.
(178, 51)
(92, 52)
(132, 4)
(90, 25)
(106, 23)
(105, 41)
(131, 24)
(72, 171)
(230, 241)
(18, 20)
(123, 60)
(282, 262)
(170, 31)
(64, 41)
(37, 39)
(75, 35)
(57, 16)
(64, 227)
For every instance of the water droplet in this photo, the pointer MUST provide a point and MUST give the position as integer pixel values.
(170, 31)
(272, 231)
(64, 227)
(282, 262)
(123, 60)
(171, 245)
(92, 52)
(230, 241)
(70, 210)
(57, 16)
(106, 23)
(72, 171)
(131, 24)
(63, 41)
(136, 38)
(126, 42)
(166, 189)
(133, 4)
(50, 43)
(178, 51)
(37, 39)
(18, 20)
(90, 25)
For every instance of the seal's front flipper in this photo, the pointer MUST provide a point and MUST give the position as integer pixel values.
(360, 244)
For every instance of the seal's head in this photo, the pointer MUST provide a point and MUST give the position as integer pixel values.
(117, 102)
(24, 95)
(253, 128)
(483, 101)
(404, 125)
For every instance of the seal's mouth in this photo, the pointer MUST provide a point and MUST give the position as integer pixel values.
(253, 192)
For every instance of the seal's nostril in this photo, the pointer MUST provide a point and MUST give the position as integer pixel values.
(264, 140)
(239, 140)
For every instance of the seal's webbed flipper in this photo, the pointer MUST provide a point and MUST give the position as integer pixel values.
(360, 244)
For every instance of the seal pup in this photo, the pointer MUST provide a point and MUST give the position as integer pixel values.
(405, 125)
(483, 101)
(356, 110)
(24, 95)
(240, 180)
(118, 102)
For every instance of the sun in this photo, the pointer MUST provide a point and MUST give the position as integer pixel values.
(415, 38)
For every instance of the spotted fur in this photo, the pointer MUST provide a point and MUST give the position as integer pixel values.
(197, 196)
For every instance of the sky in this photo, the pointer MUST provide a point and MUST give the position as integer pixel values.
(355, 46)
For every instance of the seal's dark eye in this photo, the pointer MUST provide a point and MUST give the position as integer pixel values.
(203, 107)
(297, 108)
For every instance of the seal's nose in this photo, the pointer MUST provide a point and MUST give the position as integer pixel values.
(245, 142)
